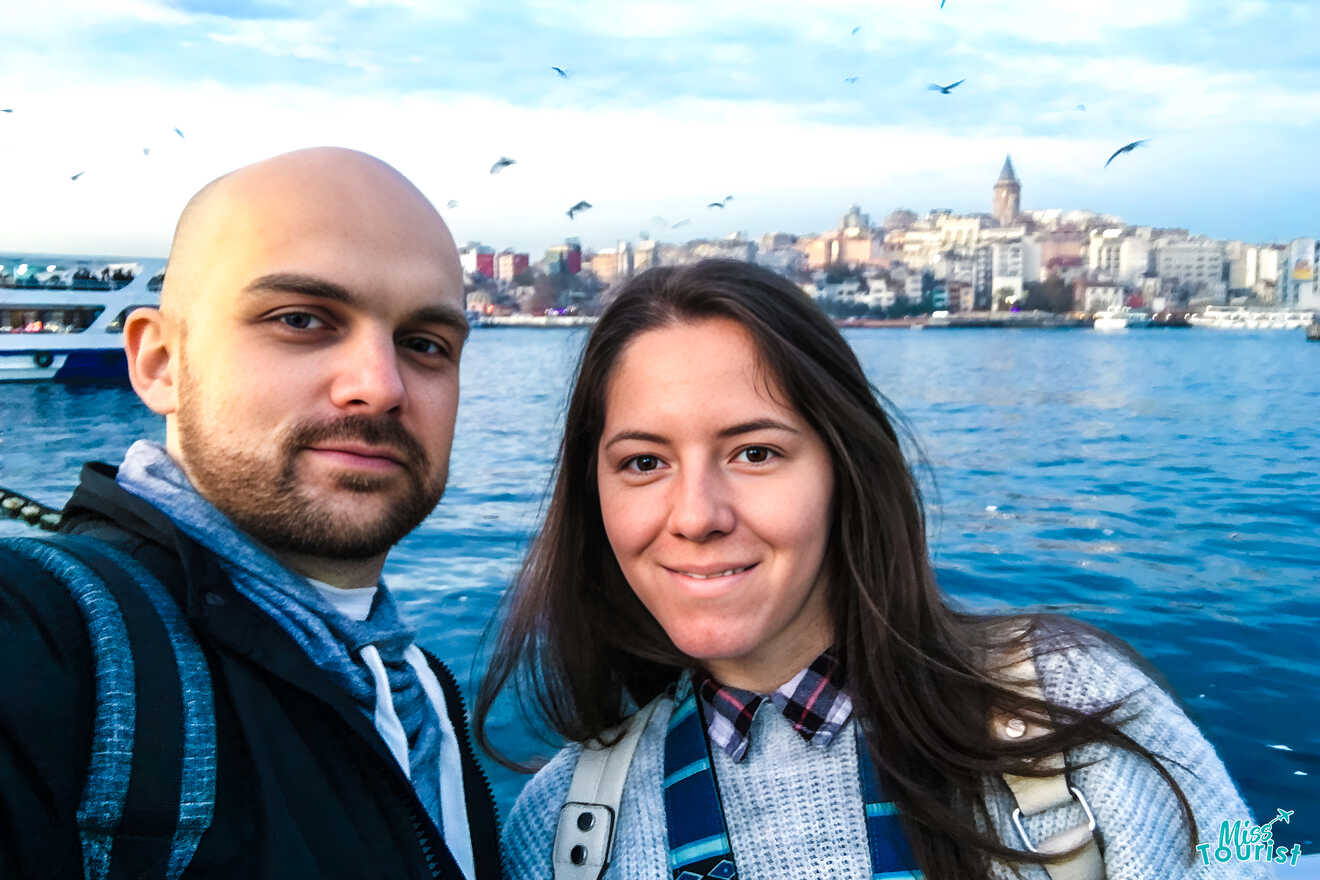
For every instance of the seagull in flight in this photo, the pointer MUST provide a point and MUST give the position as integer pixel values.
(941, 4)
(146, 151)
(715, 205)
(580, 206)
(76, 176)
(1081, 107)
(500, 164)
(176, 131)
(946, 90)
(684, 222)
(6, 109)
(451, 204)
(850, 80)
(856, 29)
(562, 73)
(1125, 149)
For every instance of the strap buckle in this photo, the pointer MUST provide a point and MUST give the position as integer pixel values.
(1077, 796)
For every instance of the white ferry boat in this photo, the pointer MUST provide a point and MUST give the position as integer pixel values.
(1242, 318)
(66, 323)
(1120, 318)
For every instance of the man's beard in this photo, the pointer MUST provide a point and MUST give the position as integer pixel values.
(263, 496)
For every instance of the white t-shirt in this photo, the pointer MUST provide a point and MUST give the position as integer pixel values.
(355, 604)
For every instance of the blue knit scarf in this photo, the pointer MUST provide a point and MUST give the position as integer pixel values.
(332, 640)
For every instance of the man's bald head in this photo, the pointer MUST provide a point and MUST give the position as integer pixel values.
(317, 187)
(305, 355)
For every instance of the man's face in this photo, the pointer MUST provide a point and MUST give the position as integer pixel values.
(318, 375)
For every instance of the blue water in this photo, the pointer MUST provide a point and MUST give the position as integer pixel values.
(1164, 484)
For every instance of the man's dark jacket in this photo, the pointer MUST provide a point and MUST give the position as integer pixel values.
(305, 787)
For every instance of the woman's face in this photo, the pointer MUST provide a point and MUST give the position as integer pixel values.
(716, 501)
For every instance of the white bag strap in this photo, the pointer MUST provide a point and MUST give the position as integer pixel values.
(1036, 794)
(584, 839)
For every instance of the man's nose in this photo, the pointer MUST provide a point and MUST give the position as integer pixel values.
(700, 505)
(367, 377)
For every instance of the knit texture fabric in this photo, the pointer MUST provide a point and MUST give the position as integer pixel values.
(796, 811)
(333, 641)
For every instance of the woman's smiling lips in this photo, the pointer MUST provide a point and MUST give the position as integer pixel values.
(712, 573)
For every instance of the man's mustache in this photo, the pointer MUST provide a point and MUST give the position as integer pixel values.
(381, 431)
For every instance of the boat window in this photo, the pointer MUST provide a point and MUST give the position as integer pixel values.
(74, 319)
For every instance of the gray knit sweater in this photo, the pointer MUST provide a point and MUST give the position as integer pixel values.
(795, 810)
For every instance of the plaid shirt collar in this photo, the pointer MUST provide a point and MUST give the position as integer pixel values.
(812, 701)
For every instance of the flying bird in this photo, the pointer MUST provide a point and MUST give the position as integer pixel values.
(728, 199)
(1081, 107)
(502, 163)
(6, 109)
(684, 222)
(715, 205)
(580, 206)
(146, 151)
(941, 4)
(76, 176)
(560, 71)
(1125, 149)
(452, 203)
(176, 131)
(850, 80)
(856, 29)
(946, 90)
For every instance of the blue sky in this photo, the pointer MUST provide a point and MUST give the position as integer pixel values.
(668, 105)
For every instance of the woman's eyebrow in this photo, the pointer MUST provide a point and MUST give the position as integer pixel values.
(757, 425)
(731, 431)
(634, 435)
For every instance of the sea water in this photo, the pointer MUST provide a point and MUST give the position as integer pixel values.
(1163, 484)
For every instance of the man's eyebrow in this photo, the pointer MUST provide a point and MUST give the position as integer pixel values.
(311, 285)
(731, 431)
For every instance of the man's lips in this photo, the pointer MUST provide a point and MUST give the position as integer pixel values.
(358, 455)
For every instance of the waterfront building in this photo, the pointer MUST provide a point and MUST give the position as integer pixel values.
(1007, 200)
(509, 264)
(1194, 264)
(1297, 280)
(735, 247)
(1118, 254)
(644, 255)
(901, 218)
(476, 258)
(564, 259)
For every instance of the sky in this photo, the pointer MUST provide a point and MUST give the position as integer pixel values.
(667, 106)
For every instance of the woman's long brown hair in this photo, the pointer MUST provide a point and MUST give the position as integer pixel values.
(581, 651)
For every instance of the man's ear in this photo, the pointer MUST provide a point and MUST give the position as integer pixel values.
(152, 358)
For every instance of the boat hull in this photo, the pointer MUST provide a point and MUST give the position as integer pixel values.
(107, 365)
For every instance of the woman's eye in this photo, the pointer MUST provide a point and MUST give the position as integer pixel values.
(301, 320)
(756, 454)
(642, 463)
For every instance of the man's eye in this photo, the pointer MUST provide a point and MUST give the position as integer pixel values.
(301, 321)
(756, 454)
(642, 463)
(423, 345)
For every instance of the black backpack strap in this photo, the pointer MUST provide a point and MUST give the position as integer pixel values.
(150, 789)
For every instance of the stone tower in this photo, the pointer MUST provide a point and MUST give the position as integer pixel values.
(1008, 195)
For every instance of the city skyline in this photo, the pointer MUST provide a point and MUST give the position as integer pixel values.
(665, 107)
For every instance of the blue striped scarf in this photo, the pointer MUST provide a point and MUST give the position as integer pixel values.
(332, 640)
